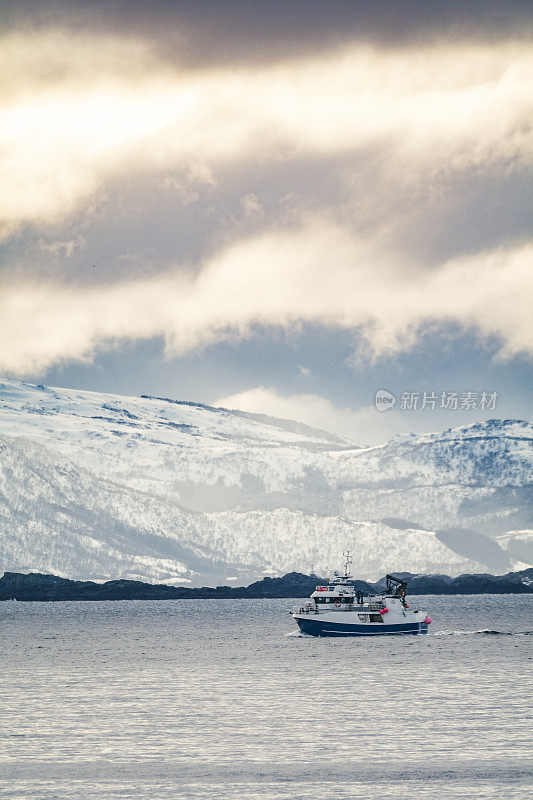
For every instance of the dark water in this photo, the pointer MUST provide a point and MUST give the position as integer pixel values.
(207, 699)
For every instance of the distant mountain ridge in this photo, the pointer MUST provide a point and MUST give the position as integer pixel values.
(37, 587)
(276, 422)
(97, 486)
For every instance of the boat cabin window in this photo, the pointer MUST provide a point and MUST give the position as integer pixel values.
(376, 618)
(328, 599)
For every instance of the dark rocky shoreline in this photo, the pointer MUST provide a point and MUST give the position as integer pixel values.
(38, 587)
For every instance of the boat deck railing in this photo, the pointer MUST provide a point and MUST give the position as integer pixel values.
(317, 608)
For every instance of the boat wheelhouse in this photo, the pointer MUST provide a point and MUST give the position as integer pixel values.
(338, 609)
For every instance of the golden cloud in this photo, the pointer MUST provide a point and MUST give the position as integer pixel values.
(320, 273)
(76, 110)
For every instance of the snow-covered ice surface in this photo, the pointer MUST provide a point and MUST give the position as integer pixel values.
(102, 486)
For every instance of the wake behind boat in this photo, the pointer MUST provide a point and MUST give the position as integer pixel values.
(337, 609)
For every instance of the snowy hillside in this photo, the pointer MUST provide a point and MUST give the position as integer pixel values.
(62, 519)
(104, 486)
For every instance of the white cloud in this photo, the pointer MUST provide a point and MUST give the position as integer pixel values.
(251, 206)
(78, 109)
(64, 248)
(363, 426)
(320, 273)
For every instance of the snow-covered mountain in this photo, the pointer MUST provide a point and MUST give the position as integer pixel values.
(102, 486)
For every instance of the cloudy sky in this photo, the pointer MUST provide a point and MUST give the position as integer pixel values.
(281, 207)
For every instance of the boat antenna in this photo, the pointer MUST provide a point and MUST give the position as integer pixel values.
(347, 562)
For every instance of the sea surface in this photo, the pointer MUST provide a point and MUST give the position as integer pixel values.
(224, 699)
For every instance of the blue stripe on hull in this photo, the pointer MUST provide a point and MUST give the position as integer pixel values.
(317, 628)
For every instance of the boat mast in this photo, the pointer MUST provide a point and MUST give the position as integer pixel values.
(347, 562)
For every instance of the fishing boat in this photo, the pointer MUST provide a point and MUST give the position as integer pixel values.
(338, 609)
